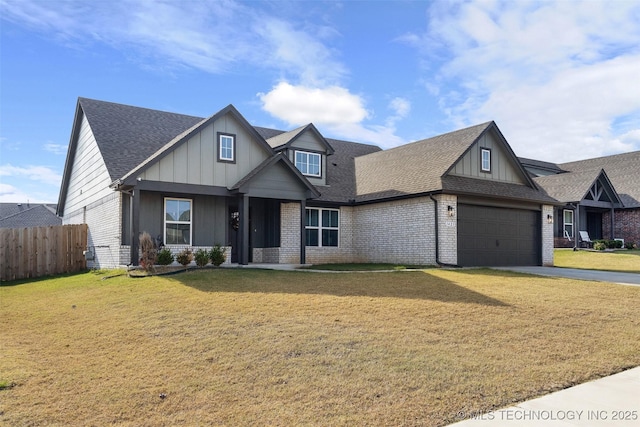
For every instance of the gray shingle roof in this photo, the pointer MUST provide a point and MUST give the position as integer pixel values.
(416, 167)
(568, 187)
(19, 215)
(622, 170)
(502, 190)
(341, 176)
(541, 165)
(284, 137)
(127, 135)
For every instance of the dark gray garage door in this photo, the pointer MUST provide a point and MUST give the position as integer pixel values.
(489, 236)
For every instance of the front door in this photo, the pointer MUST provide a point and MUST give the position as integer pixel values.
(594, 225)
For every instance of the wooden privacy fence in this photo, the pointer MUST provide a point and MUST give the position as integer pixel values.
(42, 251)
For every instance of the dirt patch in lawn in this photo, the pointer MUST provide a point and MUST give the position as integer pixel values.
(247, 347)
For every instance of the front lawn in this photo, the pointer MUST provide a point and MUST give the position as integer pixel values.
(623, 260)
(254, 347)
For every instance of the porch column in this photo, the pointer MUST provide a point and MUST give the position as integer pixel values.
(303, 232)
(576, 227)
(135, 225)
(243, 208)
(613, 223)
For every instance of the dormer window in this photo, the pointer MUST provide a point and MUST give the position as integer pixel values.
(308, 163)
(226, 147)
(485, 160)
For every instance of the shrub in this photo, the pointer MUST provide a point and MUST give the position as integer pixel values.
(599, 245)
(148, 251)
(629, 245)
(216, 254)
(202, 257)
(165, 257)
(185, 257)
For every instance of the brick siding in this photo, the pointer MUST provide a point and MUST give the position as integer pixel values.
(627, 225)
(105, 225)
(547, 236)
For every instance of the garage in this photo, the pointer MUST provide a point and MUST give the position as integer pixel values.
(491, 236)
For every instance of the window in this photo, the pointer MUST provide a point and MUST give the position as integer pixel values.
(308, 163)
(226, 147)
(485, 161)
(322, 227)
(568, 223)
(177, 221)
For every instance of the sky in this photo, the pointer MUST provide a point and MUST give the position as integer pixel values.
(561, 79)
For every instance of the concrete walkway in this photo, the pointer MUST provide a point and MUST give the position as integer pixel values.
(574, 273)
(610, 401)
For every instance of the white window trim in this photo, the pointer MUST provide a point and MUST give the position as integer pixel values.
(233, 145)
(482, 152)
(320, 227)
(308, 153)
(190, 222)
(572, 223)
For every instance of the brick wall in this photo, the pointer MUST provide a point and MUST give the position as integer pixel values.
(289, 233)
(627, 225)
(447, 229)
(395, 232)
(547, 236)
(105, 224)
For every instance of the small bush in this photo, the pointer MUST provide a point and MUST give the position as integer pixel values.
(599, 245)
(202, 257)
(165, 257)
(148, 250)
(630, 245)
(216, 254)
(185, 257)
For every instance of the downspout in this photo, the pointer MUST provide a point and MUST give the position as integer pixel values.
(441, 264)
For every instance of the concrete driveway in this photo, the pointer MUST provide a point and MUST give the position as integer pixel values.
(574, 273)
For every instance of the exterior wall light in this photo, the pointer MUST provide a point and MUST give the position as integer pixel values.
(451, 210)
(550, 219)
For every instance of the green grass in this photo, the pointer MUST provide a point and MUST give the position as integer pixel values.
(256, 347)
(365, 267)
(624, 260)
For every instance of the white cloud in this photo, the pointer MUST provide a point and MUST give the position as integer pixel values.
(12, 194)
(55, 148)
(334, 109)
(554, 75)
(41, 174)
(212, 36)
(401, 108)
(298, 105)
(37, 184)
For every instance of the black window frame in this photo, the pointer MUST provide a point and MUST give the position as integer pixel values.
(220, 135)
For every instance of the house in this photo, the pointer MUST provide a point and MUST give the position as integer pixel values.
(24, 215)
(276, 196)
(600, 196)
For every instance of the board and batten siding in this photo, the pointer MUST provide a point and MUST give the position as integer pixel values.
(308, 141)
(195, 161)
(277, 182)
(89, 179)
(502, 167)
(209, 218)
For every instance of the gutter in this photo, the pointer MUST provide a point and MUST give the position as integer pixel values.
(441, 264)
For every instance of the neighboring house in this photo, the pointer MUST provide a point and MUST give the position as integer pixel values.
(24, 215)
(597, 195)
(272, 196)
